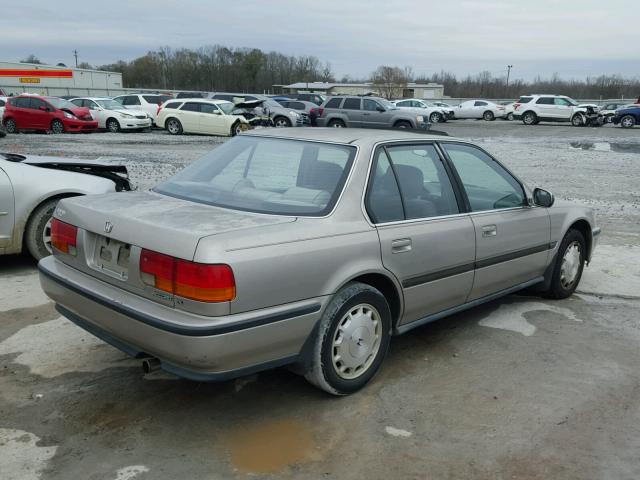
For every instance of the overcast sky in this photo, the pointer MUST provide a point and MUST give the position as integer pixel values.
(574, 38)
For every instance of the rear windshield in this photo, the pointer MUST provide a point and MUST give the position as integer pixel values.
(157, 99)
(266, 175)
(525, 99)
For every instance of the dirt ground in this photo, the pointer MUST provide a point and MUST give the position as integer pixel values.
(520, 388)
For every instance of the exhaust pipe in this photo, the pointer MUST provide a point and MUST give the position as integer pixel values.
(150, 364)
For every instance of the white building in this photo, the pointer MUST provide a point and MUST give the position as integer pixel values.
(411, 90)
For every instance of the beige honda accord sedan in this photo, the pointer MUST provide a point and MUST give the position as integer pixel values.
(310, 247)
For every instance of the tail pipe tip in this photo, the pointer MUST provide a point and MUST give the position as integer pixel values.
(150, 365)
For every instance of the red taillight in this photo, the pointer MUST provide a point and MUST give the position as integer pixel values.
(320, 111)
(516, 106)
(198, 281)
(64, 236)
(158, 110)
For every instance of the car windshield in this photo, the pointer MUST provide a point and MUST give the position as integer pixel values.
(109, 104)
(226, 107)
(266, 175)
(571, 101)
(60, 102)
(269, 102)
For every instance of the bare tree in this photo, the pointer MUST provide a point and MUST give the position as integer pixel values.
(389, 81)
(31, 59)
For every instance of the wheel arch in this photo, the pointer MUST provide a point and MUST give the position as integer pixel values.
(19, 232)
(403, 120)
(584, 227)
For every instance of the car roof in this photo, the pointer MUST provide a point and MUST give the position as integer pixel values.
(353, 136)
(201, 100)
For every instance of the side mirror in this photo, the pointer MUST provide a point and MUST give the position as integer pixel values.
(44, 109)
(380, 109)
(543, 198)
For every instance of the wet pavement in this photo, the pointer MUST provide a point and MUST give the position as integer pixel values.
(520, 388)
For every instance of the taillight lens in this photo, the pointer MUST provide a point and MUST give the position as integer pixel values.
(516, 106)
(64, 236)
(320, 111)
(158, 109)
(197, 281)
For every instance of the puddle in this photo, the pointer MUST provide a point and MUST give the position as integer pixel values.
(606, 146)
(270, 447)
(20, 456)
(511, 316)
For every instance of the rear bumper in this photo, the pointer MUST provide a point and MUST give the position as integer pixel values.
(191, 346)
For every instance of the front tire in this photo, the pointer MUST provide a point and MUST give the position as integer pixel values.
(568, 267)
(281, 122)
(529, 118)
(577, 120)
(10, 126)
(436, 117)
(352, 340)
(488, 116)
(510, 117)
(113, 125)
(37, 235)
(628, 121)
(402, 124)
(57, 127)
(174, 127)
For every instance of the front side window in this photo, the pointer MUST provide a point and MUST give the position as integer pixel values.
(404, 103)
(36, 103)
(266, 175)
(487, 184)
(370, 105)
(562, 102)
(208, 108)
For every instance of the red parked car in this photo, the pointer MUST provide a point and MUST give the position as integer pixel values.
(28, 112)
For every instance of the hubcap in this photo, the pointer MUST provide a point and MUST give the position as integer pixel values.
(356, 341)
(435, 118)
(113, 126)
(337, 125)
(570, 265)
(57, 127)
(627, 122)
(173, 127)
(528, 118)
(46, 235)
(281, 122)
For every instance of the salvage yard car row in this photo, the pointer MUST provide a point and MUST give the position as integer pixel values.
(227, 114)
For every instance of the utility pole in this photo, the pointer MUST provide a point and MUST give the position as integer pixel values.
(509, 67)
(75, 54)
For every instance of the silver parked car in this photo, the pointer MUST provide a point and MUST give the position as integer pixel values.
(30, 188)
(310, 247)
(369, 112)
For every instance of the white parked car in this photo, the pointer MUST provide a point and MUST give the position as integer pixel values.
(480, 109)
(434, 114)
(3, 102)
(148, 103)
(532, 109)
(198, 115)
(112, 115)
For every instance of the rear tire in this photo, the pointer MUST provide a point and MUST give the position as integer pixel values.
(628, 121)
(174, 127)
(568, 267)
(10, 126)
(529, 118)
(488, 116)
(352, 340)
(37, 235)
(336, 124)
(113, 125)
(57, 127)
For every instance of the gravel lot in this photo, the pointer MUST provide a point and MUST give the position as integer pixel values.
(521, 388)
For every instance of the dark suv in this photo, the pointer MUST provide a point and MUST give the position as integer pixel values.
(369, 112)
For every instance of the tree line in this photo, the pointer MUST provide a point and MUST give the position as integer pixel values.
(220, 68)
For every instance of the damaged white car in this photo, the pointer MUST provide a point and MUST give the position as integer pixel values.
(30, 188)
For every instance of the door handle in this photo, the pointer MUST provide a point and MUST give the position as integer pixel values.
(489, 231)
(401, 245)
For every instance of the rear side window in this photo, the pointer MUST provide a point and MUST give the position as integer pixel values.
(131, 100)
(296, 105)
(172, 105)
(481, 104)
(2, 103)
(333, 103)
(524, 99)
(351, 104)
(21, 102)
(191, 107)
(545, 101)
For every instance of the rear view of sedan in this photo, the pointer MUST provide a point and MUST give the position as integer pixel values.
(111, 115)
(51, 114)
(310, 247)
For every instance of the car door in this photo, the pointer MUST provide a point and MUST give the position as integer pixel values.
(352, 109)
(189, 116)
(39, 114)
(563, 109)
(374, 115)
(425, 241)
(465, 110)
(546, 108)
(478, 109)
(7, 211)
(212, 121)
(512, 238)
